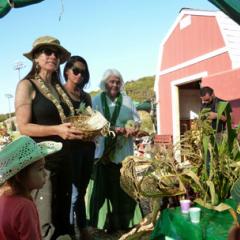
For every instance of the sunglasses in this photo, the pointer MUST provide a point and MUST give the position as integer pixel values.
(48, 52)
(77, 70)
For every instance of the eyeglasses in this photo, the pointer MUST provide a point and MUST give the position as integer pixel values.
(77, 70)
(48, 52)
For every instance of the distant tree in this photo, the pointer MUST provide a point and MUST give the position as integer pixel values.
(3, 117)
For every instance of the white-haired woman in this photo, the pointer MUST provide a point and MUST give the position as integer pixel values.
(110, 207)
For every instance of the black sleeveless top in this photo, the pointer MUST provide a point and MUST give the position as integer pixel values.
(44, 112)
(83, 99)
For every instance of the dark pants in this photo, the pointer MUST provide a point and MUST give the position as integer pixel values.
(60, 168)
(83, 157)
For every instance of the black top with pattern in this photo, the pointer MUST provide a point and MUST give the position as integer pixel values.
(44, 112)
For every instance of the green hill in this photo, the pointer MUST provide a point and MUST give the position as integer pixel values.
(141, 90)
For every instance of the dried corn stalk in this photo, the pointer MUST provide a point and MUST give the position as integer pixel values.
(208, 167)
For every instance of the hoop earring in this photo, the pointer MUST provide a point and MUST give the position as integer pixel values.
(37, 68)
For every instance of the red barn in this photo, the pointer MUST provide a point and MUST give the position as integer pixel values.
(201, 49)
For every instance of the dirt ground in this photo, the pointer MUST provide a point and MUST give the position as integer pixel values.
(99, 235)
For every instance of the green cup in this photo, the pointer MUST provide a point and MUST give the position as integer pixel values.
(195, 213)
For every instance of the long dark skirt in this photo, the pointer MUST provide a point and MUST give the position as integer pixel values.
(110, 207)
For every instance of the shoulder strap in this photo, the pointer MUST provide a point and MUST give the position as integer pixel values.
(33, 84)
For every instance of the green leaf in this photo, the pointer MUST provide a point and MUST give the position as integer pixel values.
(221, 107)
(82, 108)
(214, 196)
(235, 191)
(194, 177)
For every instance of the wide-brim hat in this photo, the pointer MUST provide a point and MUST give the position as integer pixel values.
(48, 41)
(22, 152)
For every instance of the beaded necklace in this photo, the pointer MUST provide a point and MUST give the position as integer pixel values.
(47, 93)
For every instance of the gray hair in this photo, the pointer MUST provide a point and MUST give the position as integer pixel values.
(107, 74)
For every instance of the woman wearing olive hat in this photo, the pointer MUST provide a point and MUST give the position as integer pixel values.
(41, 106)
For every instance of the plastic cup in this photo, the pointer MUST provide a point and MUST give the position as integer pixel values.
(195, 214)
(185, 205)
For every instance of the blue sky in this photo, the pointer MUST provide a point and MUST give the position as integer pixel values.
(118, 34)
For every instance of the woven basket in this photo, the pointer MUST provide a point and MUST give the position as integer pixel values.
(90, 126)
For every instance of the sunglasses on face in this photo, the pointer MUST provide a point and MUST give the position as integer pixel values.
(48, 52)
(77, 70)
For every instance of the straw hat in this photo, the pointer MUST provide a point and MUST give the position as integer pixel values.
(48, 41)
(21, 153)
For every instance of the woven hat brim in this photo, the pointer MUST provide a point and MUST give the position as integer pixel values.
(49, 147)
(41, 150)
(64, 53)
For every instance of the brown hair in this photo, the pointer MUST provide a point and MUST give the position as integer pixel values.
(234, 233)
(16, 185)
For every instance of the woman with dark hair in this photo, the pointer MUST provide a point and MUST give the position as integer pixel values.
(41, 107)
(77, 75)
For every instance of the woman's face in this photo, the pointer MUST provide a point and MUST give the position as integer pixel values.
(76, 73)
(36, 175)
(48, 59)
(113, 86)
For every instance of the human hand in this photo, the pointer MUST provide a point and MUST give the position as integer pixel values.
(131, 132)
(67, 131)
(212, 115)
(119, 130)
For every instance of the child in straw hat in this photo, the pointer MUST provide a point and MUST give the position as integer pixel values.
(21, 171)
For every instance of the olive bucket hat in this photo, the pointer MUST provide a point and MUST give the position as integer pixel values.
(48, 41)
(22, 152)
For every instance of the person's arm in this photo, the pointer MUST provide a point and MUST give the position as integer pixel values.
(213, 115)
(23, 109)
(137, 122)
(136, 116)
